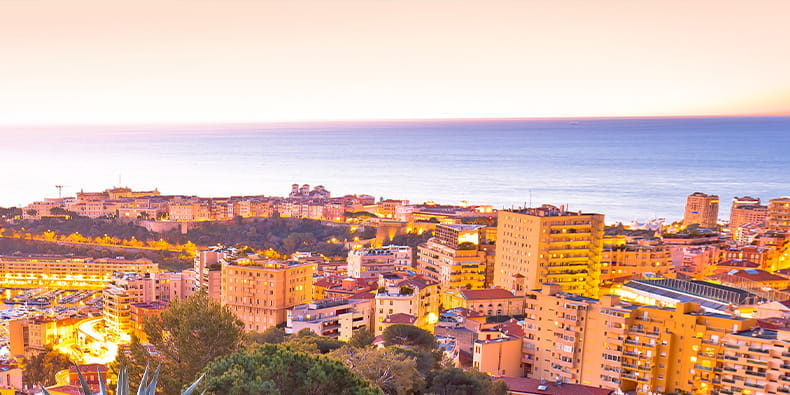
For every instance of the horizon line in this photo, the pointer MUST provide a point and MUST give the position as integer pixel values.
(384, 120)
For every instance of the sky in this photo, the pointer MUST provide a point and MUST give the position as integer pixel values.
(173, 61)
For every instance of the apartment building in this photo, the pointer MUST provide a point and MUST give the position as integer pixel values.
(67, 272)
(453, 258)
(261, 291)
(549, 245)
(746, 210)
(334, 317)
(369, 262)
(207, 266)
(497, 350)
(625, 261)
(755, 361)
(31, 336)
(613, 344)
(416, 297)
(116, 312)
(779, 214)
(701, 209)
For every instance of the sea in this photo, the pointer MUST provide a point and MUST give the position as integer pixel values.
(626, 168)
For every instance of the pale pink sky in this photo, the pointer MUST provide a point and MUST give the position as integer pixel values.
(105, 62)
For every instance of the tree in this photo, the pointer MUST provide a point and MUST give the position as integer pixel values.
(393, 372)
(272, 335)
(361, 338)
(309, 342)
(408, 335)
(275, 369)
(186, 337)
(454, 381)
(41, 368)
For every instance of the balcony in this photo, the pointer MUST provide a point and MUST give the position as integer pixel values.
(760, 350)
(757, 362)
(753, 373)
(754, 385)
(629, 376)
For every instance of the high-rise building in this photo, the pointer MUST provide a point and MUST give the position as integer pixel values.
(543, 245)
(647, 350)
(453, 258)
(701, 209)
(779, 214)
(260, 292)
(746, 210)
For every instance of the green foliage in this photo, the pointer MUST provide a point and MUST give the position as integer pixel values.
(427, 360)
(393, 372)
(186, 337)
(62, 211)
(411, 239)
(307, 341)
(147, 386)
(454, 381)
(361, 338)
(409, 336)
(275, 369)
(467, 246)
(284, 235)
(359, 214)
(41, 368)
(272, 335)
(488, 220)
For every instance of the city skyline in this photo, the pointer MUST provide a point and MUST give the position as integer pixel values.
(219, 62)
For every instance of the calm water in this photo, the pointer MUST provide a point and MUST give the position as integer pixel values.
(624, 168)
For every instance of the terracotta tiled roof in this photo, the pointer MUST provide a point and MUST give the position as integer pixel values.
(511, 327)
(65, 389)
(326, 282)
(774, 323)
(491, 293)
(363, 295)
(400, 318)
(756, 275)
(89, 368)
(524, 385)
(738, 263)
